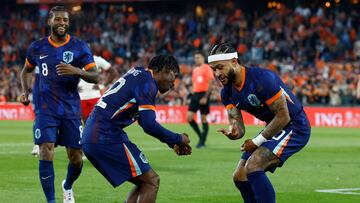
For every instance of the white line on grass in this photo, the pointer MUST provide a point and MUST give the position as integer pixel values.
(345, 191)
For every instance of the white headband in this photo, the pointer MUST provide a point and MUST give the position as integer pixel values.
(222, 57)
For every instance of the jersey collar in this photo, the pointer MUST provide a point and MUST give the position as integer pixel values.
(243, 77)
(67, 39)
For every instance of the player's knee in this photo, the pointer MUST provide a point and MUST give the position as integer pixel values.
(46, 151)
(254, 163)
(155, 182)
(240, 174)
(76, 159)
(152, 181)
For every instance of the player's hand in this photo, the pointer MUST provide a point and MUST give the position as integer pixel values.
(232, 133)
(248, 146)
(184, 148)
(67, 69)
(24, 99)
(203, 101)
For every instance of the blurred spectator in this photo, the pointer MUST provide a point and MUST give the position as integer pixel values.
(358, 89)
(316, 51)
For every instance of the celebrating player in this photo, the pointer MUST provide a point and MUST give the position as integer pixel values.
(261, 93)
(60, 58)
(132, 98)
(202, 77)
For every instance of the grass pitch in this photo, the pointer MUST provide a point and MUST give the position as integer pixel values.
(331, 160)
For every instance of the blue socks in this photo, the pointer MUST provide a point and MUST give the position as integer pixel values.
(262, 187)
(46, 173)
(246, 191)
(72, 174)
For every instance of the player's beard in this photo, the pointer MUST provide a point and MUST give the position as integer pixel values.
(231, 77)
(56, 33)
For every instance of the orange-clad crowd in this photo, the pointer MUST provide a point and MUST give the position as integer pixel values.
(316, 51)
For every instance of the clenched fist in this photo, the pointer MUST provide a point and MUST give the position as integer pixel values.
(24, 99)
(248, 146)
(184, 148)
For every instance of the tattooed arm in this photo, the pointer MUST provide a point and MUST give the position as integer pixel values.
(237, 127)
(281, 119)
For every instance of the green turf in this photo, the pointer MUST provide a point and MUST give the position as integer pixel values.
(331, 160)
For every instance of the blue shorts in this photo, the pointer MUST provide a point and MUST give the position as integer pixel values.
(286, 143)
(117, 162)
(64, 132)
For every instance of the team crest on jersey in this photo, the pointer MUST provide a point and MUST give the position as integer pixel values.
(254, 101)
(68, 56)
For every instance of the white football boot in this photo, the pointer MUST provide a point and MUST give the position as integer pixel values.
(68, 194)
(35, 151)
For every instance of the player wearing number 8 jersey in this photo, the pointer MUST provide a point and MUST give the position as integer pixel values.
(130, 99)
(60, 58)
(261, 93)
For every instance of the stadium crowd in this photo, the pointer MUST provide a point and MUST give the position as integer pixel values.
(316, 51)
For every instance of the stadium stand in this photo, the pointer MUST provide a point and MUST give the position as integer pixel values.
(316, 51)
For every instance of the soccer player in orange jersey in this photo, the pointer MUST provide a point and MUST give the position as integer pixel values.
(202, 77)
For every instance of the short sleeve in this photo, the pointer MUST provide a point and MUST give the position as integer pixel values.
(226, 98)
(102, 63)
(30, 60)
(269, 87)
(145, 95)
(87, 59)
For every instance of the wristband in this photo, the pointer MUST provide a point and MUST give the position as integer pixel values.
(258, 140)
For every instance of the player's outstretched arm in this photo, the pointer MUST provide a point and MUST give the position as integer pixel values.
(147, 121)
(237, 127)
(26, 75)
(91, 75)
